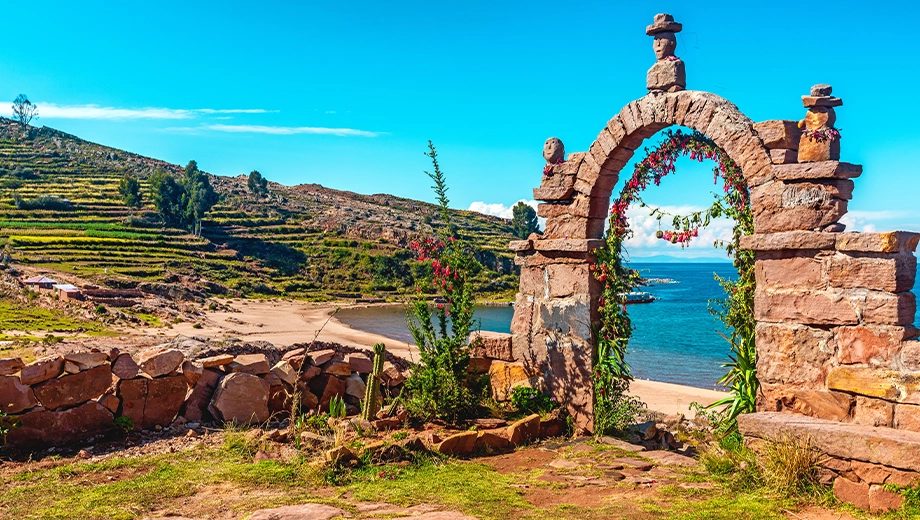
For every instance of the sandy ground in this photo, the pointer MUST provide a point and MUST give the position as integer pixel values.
(285, 322)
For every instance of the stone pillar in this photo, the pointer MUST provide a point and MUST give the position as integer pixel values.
(554, 316)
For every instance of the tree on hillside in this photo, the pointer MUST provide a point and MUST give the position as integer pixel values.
(184, 202)
(130, 189)
(24, 110)
(258, 185)
(524, 220)
(169, 197)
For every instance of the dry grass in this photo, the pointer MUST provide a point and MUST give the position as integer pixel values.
(789, 465)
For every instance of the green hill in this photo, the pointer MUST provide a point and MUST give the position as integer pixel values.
(302, 241)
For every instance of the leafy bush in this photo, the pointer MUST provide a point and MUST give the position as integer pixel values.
(440, 385)
(531, 400)
(130, 190)
(614, 410)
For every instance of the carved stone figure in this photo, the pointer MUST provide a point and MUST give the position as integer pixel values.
(553, 151)
(820, 140)
(668, 73)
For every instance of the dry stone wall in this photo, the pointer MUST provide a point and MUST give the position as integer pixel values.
(62, 399)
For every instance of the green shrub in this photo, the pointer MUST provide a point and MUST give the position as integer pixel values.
(531, 400)
(46, 202)
(101, 310)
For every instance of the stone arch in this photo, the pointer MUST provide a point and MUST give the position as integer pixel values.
(556, 306)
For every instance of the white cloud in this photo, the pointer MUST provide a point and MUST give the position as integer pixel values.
(291, 130)
(55, 111)
(498, 209)
(871, 221)
(645, 243)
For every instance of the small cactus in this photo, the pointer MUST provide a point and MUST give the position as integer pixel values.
(371, 400)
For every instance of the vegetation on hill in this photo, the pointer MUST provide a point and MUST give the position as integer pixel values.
(68, 205)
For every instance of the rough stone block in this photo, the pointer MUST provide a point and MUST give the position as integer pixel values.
(15, 396)
(124, 367)
(793, 353)
(810, 308)
(159, 362)
(195, 407)
(789, 240)
(865, 381)
(504, 376)
(74, 389)
(812, 150)
(873, 412)
(888, 242)
(241, 398)
(491, 345)
(852, 492)
(784, 156)
(220, 360)
(41, 427)
(822, 404)
(42, 370)
(907, 417)
(816, 170)
(255, 364)
(86, 360)
(10, 366)
(788, 270)
(874, 345)
(890, 272)
(554, 193)
(882, 500)
(779, 134)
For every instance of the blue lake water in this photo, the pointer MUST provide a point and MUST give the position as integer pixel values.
(675, 339)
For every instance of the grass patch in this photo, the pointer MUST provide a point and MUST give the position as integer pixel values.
(14, 316)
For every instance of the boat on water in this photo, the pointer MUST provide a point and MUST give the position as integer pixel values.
(639, 297)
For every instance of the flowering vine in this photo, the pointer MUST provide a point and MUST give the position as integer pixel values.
(736, 310)
(822, 134)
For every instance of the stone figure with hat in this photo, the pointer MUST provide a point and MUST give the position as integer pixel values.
(667, 74)
(820, 139)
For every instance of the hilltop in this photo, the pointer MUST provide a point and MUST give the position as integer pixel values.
(305, 241)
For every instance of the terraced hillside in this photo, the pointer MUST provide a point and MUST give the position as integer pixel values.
(302, 241)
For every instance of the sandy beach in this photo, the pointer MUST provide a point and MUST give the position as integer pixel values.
(285, 322)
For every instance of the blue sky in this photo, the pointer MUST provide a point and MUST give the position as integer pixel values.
(347, 95)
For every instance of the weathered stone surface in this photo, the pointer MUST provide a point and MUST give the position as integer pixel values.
(907, 417)
(822, 404)
(491, 345)
(888, 242)
(359, 362)
(42, 370)
(881, 500)
(241, 398)
(821, 101)
(835, 307)
(15, 396)
(355, 386)
(784, 156)
(492, 441)
(874, 345)
(216, 361)
(813, 150)
(279, 399)
(554, 193)
(109, 400)
(779, 134)
(155, 402)
(788, 240)
(898, 449)
(9, 366)
(86, 360)
(320, 357)
(337, 368)
(782, 207)
(285, 372)
(326, 387)
(74, 389)
(133, 396)
(890, 272)
(392, 375)
(789, 270)
(852, 492)
(816, 170)
(458, 444)
(504, 376)
(301, 512)
(191, 370)
(667, 76)
(41, 427)
(869, 382)
(255, 364)
(124, 367)
(71, 368)
(793, 353)
(156, 362)
(520, 245)
(567, 227)
(524, 430)
(573, 245)
(873, 412)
